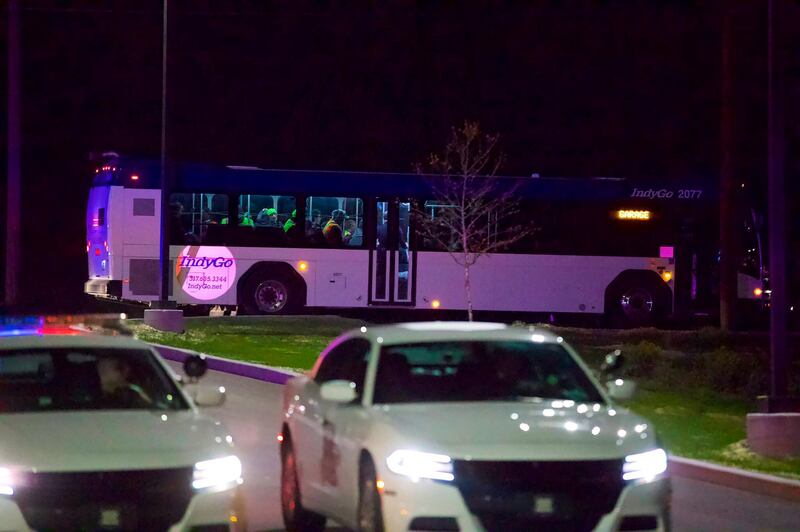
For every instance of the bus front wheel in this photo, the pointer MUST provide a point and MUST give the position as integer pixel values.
(269, 295)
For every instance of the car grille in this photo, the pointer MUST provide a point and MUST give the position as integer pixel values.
(109, 500)
(552, 495)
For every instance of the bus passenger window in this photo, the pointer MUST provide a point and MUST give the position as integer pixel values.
(266, 220)
(197, 218)
(334, 222)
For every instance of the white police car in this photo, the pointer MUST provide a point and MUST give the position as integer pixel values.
(95, 433)
(464, 426)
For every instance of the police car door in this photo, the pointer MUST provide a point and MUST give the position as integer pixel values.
(339, 431)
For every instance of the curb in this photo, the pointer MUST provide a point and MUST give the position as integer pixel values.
(758, 483)
(242, 369)
(731, 477)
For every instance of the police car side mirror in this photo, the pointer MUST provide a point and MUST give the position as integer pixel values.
(206, 395)
(195, 366)
(338, 391)
(621, 389)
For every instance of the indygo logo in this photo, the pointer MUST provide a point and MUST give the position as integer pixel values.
(652, 194)
(205, 272)
(205, 262)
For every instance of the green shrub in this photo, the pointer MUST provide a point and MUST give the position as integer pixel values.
(642, 359)
(735, 372)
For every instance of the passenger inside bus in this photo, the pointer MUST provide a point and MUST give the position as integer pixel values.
(267, 217)
(353, 234)
(333, 232)
(245, 220)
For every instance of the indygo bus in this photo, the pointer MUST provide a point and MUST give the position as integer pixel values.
(256, 239)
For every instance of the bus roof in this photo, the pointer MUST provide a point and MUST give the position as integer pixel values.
(193, 177)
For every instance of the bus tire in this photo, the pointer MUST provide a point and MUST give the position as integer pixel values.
(269, 291)
(637, 298)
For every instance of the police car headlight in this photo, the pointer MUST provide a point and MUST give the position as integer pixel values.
(416, 465)
(6, 482)
(218, 473)
(644, 466)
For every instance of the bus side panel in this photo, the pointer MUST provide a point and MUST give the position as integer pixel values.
(530, 283)
(333, 277)
(141, 210)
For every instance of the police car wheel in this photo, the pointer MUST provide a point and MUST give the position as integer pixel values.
(295, 517)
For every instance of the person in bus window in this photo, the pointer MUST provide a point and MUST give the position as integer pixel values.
(316, 220)
(332, 231)
(178, 234)
(244, 219)
(267, 217)
(352, 233)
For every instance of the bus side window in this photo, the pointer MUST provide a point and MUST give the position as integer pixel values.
(197, 218)
(265, 220)
(334, 222)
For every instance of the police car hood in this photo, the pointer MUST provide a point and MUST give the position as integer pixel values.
(110, 440)
(553, 430)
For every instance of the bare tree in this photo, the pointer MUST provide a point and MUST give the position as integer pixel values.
(475, 211)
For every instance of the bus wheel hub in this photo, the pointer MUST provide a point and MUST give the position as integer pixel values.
(271, 296)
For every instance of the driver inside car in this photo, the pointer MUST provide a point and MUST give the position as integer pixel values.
(116, 387)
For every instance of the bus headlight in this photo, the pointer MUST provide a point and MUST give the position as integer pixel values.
(416, 465)
(217, 473)
(644, 466)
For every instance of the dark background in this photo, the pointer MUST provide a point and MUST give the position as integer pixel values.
(627, 89)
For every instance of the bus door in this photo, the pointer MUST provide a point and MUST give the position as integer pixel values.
(392, 264)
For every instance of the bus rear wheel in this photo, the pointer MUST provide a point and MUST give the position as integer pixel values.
(267, 294)
(637, 301)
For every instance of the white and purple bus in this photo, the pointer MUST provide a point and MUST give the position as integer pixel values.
(260, 240)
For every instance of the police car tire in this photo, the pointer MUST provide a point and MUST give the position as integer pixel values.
(296, 519)
(370, 513)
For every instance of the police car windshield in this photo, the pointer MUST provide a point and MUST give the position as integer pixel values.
(480, 371)
(43, 380)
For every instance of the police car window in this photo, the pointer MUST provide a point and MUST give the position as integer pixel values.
(336, 222)
(347, 361)
(480, 371)
(36, 380)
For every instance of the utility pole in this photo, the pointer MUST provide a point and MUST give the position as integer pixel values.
(727, 211)
(164, 240)
(776, 154)
(165, 316)
(13, 190)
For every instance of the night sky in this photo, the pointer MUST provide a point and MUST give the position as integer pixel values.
(627, 89)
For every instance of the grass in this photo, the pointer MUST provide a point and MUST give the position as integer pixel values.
(692, 420)
(286, 342)
(706, 426)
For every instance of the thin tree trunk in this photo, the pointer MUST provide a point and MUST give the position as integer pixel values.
(468, 290)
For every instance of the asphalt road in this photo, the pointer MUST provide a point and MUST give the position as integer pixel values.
(252, 414)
